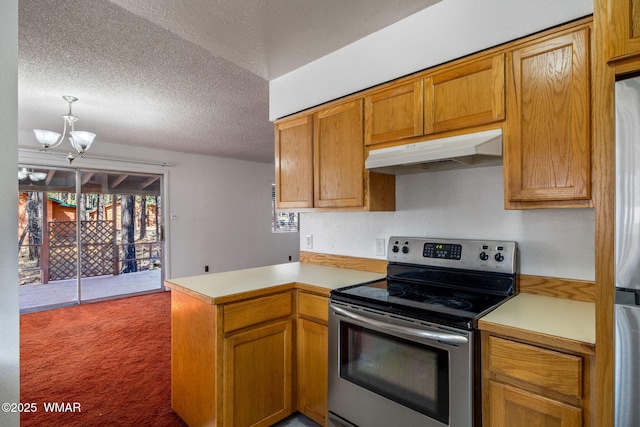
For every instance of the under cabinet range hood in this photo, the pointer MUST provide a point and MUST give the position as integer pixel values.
(456, 152)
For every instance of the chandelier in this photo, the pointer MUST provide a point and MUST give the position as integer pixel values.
(80, 141)
(24, 173)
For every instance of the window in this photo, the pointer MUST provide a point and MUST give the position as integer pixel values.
(282, 222)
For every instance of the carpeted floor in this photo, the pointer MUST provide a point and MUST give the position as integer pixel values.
(103, 364)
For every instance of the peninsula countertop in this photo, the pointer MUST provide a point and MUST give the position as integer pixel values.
(223, 287)
(549, 316)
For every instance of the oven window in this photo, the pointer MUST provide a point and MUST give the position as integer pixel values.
(409, 373)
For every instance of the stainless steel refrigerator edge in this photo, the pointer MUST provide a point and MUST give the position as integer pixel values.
(627, 256)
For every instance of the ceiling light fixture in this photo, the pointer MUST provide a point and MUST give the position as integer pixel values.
(80, 141)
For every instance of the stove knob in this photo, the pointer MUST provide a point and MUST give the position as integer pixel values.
(484, 256)
(395, 249)
(405, 249)
(499, 257)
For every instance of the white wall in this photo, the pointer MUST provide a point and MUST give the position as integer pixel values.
(463, 204)
(223, 207)
(228, 227)
(448, 30)
(9, 317)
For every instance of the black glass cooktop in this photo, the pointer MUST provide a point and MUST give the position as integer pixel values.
(456, 307)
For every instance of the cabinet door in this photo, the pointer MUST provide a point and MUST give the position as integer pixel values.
(313, 360)
(468, 95)
(257, 376)
(623, 35)
(547, 137)
(394, 113)
(512, 407)
(294, 163)
(339, 156)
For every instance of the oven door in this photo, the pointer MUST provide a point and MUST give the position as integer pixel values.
(389, 370)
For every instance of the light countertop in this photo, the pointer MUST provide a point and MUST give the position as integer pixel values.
(220, 287)
(564, 318)
(559, 317)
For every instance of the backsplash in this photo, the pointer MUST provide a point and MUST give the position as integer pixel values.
(463, 204)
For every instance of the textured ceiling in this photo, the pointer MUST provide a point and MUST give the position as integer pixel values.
(180, 75)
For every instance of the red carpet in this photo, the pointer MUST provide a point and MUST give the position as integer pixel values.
(106, 363)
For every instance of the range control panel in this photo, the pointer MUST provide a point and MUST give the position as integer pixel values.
(482, 255)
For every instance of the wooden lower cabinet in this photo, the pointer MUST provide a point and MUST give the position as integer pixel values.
(312, 370)
(258, 369)
(194, 360)
(232, 364)
(251, 362)
(313, 356)
(531, 384)
(513, 407)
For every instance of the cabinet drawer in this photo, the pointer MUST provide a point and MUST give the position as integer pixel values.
(313, 306)
(541, 367)
(251, 312)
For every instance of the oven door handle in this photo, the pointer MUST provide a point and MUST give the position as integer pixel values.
(434, 336)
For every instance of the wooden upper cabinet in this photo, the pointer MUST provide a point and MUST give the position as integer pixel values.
(294, 163)
(467, 95)
(623, 31)
(339, 156)
(547, 149)
(453, 98)
(319, 163)
(394, 113)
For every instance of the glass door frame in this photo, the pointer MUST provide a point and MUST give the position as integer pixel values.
(78, 173)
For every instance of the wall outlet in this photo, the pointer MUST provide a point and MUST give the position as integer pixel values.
(309, 241)
(174, 215)
(380, 246)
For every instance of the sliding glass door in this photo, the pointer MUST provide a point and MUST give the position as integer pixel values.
(121, 244)
(46, 235)
(88, 235)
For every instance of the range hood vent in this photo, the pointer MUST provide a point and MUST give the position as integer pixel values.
(457, 152)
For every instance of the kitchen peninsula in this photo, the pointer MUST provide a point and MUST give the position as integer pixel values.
(249, 347)
(236, 357)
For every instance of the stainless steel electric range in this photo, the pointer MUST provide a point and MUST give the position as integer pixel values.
(403, 350)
